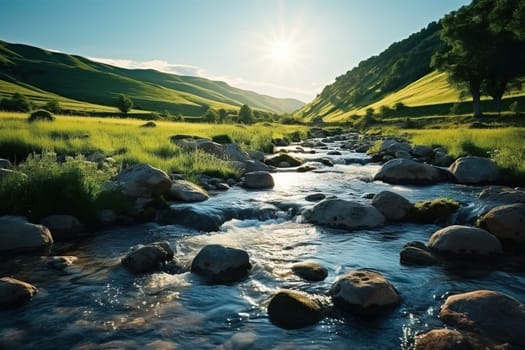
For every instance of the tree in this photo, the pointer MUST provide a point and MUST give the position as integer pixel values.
(222, 115)
(53, 106)
(485, 50)
(211, 116)
(246, 115)
(17, 103)
(124, 103)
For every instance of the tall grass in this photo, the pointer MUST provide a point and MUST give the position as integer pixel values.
(128, 143)
(505, 146)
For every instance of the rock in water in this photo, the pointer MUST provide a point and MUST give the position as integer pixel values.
(15, 293)
(147, 258)
(344, 214)
(392, 205)
(475, 170)
(63, 227)
(220, 264)
(291, 310)
(494, 315)
(16, 234)
(258, 180)
(310, 271)
(185, 191)
(449, 339)
(506, 222)
(464, 241)
(406, 171)
(364, 292)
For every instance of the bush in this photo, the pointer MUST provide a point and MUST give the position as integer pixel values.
(17, 103)
(53, 106)
(49, 187)
(41, 115)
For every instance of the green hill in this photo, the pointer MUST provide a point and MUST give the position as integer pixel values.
(401, 75)
(75, 80)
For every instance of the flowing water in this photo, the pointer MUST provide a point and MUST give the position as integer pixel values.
(96, 304)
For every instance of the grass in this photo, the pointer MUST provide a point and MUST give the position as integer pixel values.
(503, 145)
(128, 143)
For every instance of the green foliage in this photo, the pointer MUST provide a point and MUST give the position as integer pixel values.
(53, 106)
(49, 187)
(454, 110)
(210, 116)
(41, 115)
(17, 103)
(437, 210)
(514, 107)
(246, 115)
(485, 51)
(124, 103)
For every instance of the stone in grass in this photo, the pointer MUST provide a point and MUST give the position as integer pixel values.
(220, 264)
(290, 309)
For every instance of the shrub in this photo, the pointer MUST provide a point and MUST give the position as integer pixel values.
(17, 103)
(514, 107)
(53, 106)
(49, 187)
(41, 115)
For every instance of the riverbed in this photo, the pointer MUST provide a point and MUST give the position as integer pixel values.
(96, 304)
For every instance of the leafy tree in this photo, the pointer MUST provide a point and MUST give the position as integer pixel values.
(485, 50)
(124, 103)
(53, 106)
(246, 115)
(211, 116)
(514, 107)
(17, 103)
(222, 115)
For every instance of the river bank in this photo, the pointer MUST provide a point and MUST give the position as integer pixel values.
(92, 300)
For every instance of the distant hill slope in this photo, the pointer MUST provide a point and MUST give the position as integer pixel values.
(76, 78)
(401, 64)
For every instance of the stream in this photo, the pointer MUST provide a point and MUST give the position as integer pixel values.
(96, 304)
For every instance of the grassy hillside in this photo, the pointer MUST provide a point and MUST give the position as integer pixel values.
(75, 78)
(401, 75)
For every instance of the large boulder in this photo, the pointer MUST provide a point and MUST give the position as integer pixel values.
(210, 147)
(406, 171)
(364, 292)
(506, 222)
(147, 258)
(16, 234)
(310, 271)
(15, 293)
(291, 310)
(475, 170)
(494, 315)
(254, 165)
(232, 151)
(143, 180)
(423, 152)
(185, 191)
(503, 195)
(220, 264)
(258, 180)
(392, 205)
(450, 339)
(340, 213)
(391, 146)
(464, 241)
(283, 160)
(63, 227)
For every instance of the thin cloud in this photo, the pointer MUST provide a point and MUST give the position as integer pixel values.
(266, 88)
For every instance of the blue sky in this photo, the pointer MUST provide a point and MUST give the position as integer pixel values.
(284, 48)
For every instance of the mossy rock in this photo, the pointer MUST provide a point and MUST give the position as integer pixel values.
(283, 158)
(432, 211)
(41, 115)
(149, 124)
(222, 139)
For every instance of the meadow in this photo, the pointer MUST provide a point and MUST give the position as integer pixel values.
(128, 142)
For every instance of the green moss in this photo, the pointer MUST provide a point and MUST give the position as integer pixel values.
(436, 210)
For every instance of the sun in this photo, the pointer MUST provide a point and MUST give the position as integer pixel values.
(282, 52)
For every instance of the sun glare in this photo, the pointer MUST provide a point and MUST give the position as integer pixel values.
(282, 52)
